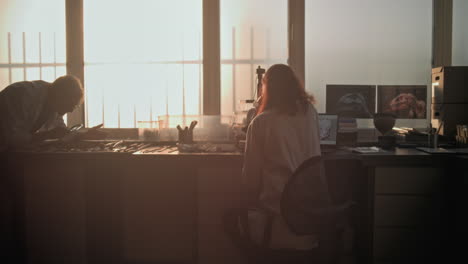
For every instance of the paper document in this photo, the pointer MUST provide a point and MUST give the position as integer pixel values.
(365, 150)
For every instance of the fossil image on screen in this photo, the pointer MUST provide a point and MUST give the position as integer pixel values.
(404, 101)
(325, 128)
(356, 101)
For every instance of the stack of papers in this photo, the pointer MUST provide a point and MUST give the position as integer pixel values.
(444, 151)
(366, 150)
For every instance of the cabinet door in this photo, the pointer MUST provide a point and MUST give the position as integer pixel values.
(158, 207)
(218, 189)
(407, 245)
(407, 180)
(104, 209)
(54, 205)
(407, 210)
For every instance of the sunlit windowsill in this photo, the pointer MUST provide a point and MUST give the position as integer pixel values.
(121, 133)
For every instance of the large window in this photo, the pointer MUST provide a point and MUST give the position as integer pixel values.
(32, 40)
(253, 33)
(368, 43)
(142, 59)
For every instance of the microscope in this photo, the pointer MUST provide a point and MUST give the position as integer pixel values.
(258, 96)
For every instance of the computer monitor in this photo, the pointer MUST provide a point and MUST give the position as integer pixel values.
(328, 126)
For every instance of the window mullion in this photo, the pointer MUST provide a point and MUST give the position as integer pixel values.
(75, 50)
(442, 33)
(296, 37)
(211, 58)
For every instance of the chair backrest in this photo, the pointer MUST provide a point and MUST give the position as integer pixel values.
(306, 205)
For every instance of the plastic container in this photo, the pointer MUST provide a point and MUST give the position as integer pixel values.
(148, 130)
(244, 105)
(210, 128)
(242, 109)
(172, 121)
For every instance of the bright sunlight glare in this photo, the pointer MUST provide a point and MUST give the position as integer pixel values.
(143, 58)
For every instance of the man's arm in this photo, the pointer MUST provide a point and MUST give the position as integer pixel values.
(58, 122)
(57, 132)
(54, 127)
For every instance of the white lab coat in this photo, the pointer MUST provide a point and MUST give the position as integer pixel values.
(21, 105)
(276, 145)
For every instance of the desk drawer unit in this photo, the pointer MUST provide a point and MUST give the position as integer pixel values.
(407, 221)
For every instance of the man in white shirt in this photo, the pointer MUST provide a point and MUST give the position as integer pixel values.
(32, 111)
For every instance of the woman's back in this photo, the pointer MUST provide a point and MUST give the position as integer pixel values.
(280, 143)
(286, 141)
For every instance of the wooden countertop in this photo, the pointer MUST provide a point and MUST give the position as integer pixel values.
(397, 157)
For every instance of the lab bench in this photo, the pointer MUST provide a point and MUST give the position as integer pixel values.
(166, 206)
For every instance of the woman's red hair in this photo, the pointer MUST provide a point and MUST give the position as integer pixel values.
(283, 91)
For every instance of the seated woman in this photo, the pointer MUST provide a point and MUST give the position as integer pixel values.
(284, 133)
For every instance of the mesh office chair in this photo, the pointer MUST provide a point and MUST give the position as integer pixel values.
(307, 209)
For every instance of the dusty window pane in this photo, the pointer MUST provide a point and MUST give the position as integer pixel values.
(250, 36)
(367, 42)
(142, 61)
